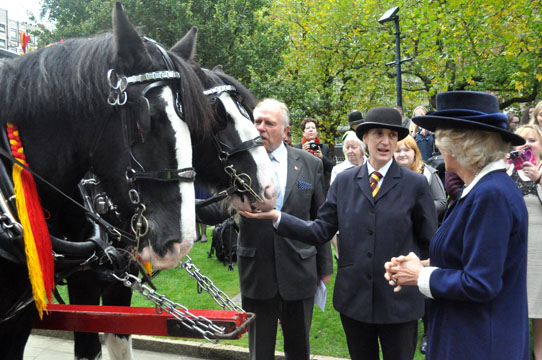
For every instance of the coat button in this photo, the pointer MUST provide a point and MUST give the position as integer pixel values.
(370, 232)
(369, 277)
(372, 210)
(369, 254)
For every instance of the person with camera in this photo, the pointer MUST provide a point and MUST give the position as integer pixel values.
(525, 169)
(311, 143)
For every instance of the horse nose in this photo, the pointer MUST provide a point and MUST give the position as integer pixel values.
(270, 192)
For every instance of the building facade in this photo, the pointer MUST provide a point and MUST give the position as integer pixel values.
(10, 33)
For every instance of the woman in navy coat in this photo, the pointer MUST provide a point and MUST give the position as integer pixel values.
(476, 274)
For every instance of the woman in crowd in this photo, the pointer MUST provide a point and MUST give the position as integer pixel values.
(377, 216)
(478, 257)
(528, 179)
(537, 115)
(513, 120)
(354, 155)
(311, 143)
(527, 115)
(408, 155)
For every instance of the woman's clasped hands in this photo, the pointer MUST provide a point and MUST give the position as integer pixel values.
(403, 270)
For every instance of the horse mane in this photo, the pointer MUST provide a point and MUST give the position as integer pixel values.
(64, 78)
(69, 80)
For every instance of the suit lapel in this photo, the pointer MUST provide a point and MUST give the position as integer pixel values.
(392, 178)
(363, 182)
(294, 169)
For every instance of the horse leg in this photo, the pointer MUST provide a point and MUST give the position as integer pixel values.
(118, 345)
(84, 289)
(14, 332)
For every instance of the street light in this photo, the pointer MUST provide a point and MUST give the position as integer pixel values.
(391, 15)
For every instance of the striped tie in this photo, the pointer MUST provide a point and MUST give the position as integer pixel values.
(375, 178)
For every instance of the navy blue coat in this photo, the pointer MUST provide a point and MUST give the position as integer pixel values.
(400, 219)
(479, 309)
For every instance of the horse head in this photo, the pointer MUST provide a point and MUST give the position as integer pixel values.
(160, 102)
(233, 156)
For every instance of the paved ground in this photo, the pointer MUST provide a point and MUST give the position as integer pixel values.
(49, 348)
(58, 345)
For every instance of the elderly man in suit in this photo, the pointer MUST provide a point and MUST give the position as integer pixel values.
(380, 209)
(279, 275)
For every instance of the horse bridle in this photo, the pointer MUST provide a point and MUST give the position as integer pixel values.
(241, 182)
(118, 97)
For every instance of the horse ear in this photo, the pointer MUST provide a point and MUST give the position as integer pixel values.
(218, 69)
(128, 45)
(186, 47)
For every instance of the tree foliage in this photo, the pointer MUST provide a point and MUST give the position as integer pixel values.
(337, 53)
(230, 31)
(327, 57)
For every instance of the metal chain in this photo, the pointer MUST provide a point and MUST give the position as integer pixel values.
(204, 283)
(204, 326)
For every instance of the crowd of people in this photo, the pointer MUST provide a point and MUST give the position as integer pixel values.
(460, 250)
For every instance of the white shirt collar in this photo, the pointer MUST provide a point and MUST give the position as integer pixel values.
(281, 154)
(495, 165)
(383, 170)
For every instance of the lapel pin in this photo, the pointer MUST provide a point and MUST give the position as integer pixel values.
(296, 168)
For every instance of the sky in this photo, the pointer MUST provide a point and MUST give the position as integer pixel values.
(17, 8)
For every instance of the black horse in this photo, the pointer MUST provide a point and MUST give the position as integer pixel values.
(225, 156)
(112, 105)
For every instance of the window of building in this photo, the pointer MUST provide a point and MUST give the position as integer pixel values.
(2, 43)
(2, 28)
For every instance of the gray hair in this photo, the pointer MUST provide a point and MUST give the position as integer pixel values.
(473, 149)
(276, 104)
(351, 136)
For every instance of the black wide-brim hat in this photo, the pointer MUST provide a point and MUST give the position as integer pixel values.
(471, 110)
(382, 117)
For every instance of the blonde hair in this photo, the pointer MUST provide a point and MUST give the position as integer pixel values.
(523, 131)
(410, 143)
(536, 111)
(472, 148)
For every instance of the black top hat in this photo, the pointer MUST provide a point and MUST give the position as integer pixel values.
(468, 110)
(382, 117)
(355, 117)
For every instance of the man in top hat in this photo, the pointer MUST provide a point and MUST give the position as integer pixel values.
(380, 209)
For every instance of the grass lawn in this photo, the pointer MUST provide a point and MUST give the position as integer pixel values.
(327, 336)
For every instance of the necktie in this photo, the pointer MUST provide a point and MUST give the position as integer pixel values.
(375, 178)
(280, 198)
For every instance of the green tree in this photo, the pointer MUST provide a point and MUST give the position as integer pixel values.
(337, 53)
(229, 30)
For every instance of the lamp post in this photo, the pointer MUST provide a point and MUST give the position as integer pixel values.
(391, 15)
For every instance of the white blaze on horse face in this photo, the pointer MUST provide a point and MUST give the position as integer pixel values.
(187, 212)
(266, 176)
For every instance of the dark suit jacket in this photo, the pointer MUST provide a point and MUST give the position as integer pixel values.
(268, 263)
(400, 219)
(327, 160)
